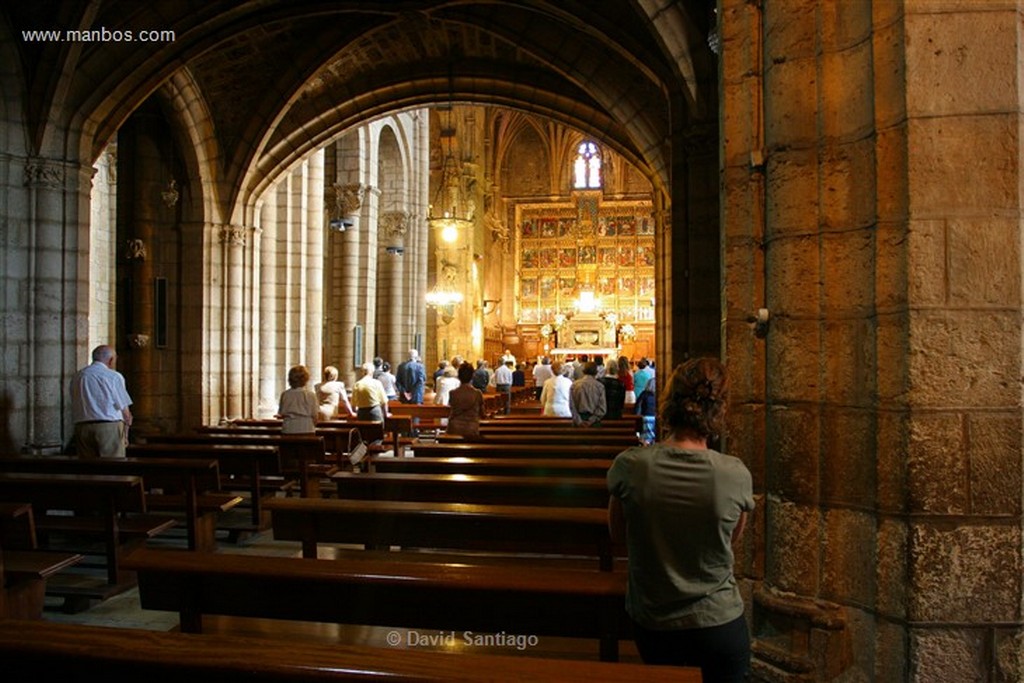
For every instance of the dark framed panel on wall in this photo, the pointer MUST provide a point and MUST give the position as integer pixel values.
(160, 312)
(358, 344)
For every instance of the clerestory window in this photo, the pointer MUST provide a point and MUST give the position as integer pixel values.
(587, 167)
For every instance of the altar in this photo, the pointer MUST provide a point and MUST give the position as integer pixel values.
(586, 334)
(591, 352)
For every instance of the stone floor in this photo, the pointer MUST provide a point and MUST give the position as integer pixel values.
(125, 611)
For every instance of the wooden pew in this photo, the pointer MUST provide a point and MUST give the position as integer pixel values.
(522, 600)
(539, 427)
(112, 508)
(17, 526)
(387, 433)
(497, 528)
(189, 487)
(581, 437)
(77, 652)
(249, 467)
(424, 415)
(472, 488)
(543, 467)
(634, 422)
(511, 450)
(24, 569)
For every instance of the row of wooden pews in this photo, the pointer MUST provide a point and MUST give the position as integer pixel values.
(538, 563)
(103, 508)
(557, 519)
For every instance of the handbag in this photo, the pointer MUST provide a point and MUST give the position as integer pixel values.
(356, 447)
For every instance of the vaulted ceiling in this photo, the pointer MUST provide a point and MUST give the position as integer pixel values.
(279, 78)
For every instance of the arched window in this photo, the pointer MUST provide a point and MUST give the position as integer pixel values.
(587, 167)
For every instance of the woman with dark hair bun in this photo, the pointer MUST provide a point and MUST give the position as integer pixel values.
(679, 505)
(467, 403)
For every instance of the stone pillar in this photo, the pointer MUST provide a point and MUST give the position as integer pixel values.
(233, 240)
(960, 317)
(346, 305)
(313, 265)
(102, 250)
(394, 273)
(268, 387)
(888, 398)
(368, 268)
(55, 326)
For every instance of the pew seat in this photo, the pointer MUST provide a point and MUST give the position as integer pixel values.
(540, 530)
(539, 601)
(581, 491)
(77, 652)
(544, 467)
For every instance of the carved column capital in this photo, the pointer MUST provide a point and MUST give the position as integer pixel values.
(343, 200)
(44, 173)
(233, 235)
(393, 226)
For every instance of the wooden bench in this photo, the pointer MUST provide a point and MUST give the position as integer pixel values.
(497, 427)
(472, 488)
(423, 415)
(633, 422)
(511, 450)
(24, 569)
(543, 467)
(24, 575)
(188, 487)
(334, 431)
(77, 652)
(250, 468)
(520, 600)
(110, 507)
(583, 437)
(496, 528)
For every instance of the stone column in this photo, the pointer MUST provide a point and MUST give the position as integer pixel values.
(347, 304)
(313, 265)
(55, 325)
(368, 268)
(268, 387)
(960, 513)
(394, 273)
(233, 241)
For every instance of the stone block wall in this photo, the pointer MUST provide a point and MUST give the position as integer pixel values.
(883, 233)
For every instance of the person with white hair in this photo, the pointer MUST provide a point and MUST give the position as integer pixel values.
(411, 379)
(100, 407)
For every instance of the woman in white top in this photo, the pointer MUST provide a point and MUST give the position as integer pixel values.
(331, 395)
(445, 383)
(387, 378)
(555, 394)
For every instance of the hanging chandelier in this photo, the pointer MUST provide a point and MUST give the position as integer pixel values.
(448, 214)
(445, 296)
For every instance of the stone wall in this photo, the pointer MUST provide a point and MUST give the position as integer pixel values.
(860, 210)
